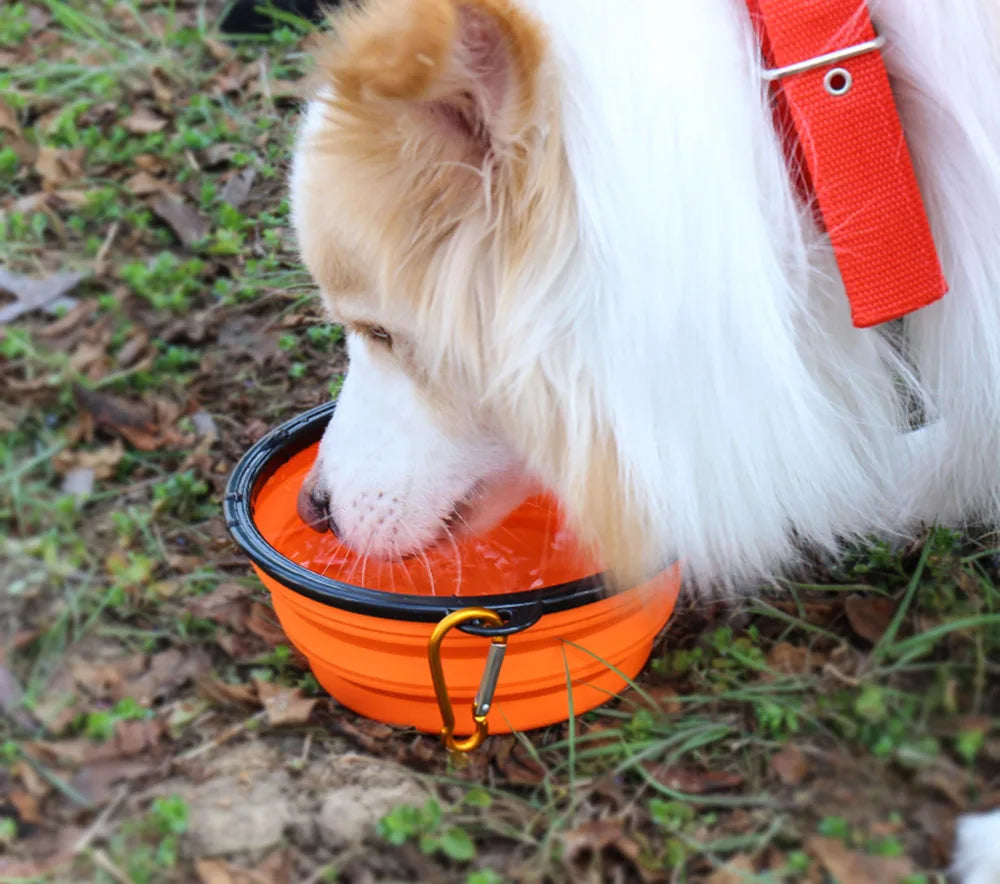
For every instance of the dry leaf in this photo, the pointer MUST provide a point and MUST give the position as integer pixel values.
(167, 670)
(869, 616)
(237, 189)
(227, 694)
(738, 870)
(666, 699)
(790, 765)
(10, 700)
(151, 163)
(218, 154)
(101, 462)
(185, 220)
(72, 199)
(139, 424)
(142, 183)
(228, 604)
(143, 121)
(132, 349)
(263, 624)
(848, 866)
(34, 293)
(284, 705)
(106, 680)
(788, 659)
(694, 782)
(58, 166)
(25, 804)
(595, 836)
(8, 121)
(213, 871)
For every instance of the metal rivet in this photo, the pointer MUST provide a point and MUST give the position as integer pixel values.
(837, 81)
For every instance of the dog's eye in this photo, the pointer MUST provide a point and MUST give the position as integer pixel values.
(377, 333)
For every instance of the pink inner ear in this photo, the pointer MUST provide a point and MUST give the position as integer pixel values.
(482, 50)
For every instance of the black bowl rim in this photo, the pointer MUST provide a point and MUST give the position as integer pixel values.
(519, 609)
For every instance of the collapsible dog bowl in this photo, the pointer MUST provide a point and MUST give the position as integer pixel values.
(526, 621)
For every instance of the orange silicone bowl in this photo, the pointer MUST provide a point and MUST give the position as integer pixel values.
(571, 644)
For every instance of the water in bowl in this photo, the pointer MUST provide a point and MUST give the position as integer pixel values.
(529, 550)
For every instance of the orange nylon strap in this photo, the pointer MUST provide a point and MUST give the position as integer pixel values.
(832, 86)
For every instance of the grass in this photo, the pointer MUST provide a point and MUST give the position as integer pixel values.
(860, 708)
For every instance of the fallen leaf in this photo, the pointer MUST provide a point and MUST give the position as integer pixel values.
(213, 871)
(869, 616)
(59, 166)
(133, 737)
(8, 121)
(516, 764)
(34, 293)
(72, 199)
(151, 163)
(70, 320)
(217, 49)
(89, 353)
(847, 866)
(790, 765)
(143, 121)
(227, 694)
(284, 705)
(26, 805)
(738, 870)
(135, 421)
(11, 696)
(101, 461)
(132, 349)
(694, 782)
(227, 604)
(595, 836)
(97, 780)
(237, 188)
(218, 154)
(167, 670)
(142, 183)
(263, 624)
(163, 91)
(666, 699)
(947, 779)
(185, 220)
(106, 680)
(788, 658)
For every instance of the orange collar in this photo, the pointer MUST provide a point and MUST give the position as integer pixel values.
(830, 84)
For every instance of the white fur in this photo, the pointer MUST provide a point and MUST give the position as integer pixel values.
(977, 849)
(397, 474)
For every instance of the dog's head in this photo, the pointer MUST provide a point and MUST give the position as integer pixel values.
(433, 208)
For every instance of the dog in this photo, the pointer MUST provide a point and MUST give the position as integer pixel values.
(567, 250)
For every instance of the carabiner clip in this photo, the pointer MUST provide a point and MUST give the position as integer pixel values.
(484, 696)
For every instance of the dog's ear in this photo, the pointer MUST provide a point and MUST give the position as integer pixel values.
(459, 74)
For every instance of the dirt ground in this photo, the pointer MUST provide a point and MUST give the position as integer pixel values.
(157, 725)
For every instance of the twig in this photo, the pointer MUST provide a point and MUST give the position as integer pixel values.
(93, 830)
(104, 861)
(102, 252)
(226, 735)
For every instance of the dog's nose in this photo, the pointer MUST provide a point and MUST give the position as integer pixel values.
(313, 507)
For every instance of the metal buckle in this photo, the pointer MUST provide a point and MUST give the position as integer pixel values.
(819, 61)
(487, 685)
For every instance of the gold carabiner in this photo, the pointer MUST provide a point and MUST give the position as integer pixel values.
(484, 696)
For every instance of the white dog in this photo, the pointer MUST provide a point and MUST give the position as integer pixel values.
(567, 248)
